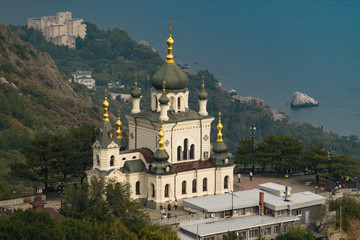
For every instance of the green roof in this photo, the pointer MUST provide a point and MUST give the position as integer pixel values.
(136, 93)
(107, 135)
(174, 77)
(133, 166)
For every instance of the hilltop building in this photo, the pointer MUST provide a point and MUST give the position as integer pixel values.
(170, 156)
(84, 78)
(60, 29)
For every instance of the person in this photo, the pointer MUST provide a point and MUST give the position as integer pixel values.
(251, 175)
(239, 176)
(169, 206)
(175, 204)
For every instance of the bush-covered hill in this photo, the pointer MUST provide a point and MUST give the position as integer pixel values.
(34, 98)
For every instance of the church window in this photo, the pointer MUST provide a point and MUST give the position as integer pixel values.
(192, 151)
(98, 160)
(153, 190)
(206, 154)
(185, 155)
(172, 102)
(137, 188)
(183, 187)
(194, 186)
(179, 153)
(112, 160)
(226, 182)
(156, 102)
(123, 158)
(205, 184)
(167, 169)
(167, 190)
(179, 103)
(134, 157)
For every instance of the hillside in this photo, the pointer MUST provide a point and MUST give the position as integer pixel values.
(34, 97)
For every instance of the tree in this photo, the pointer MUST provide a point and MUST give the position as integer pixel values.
(313, 158)
(350, 209)
(29, 225)
(296, 233)
(128, 210)
(281, 151)
(38, 166)
(244, 152)
(231, 236)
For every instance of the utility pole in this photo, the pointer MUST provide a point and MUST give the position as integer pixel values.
(253, 128)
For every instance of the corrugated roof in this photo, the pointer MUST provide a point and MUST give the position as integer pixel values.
(146, 152)
(235, 224)
(250, 198)
(187, 166)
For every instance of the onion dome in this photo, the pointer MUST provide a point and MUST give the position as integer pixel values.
(170, 72)
(219, 146)
(164, 99)
(136, 93)
(203, 95)
(106, 106)
(118, 125)
(161, 166)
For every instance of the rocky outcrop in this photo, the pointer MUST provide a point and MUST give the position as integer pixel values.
(302, 100)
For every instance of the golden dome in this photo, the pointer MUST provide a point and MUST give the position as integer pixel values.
(161, 136)
(106, 106)
(118, 124)
(219, 127)
(170, 42)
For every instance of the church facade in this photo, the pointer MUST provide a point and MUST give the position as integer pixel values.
(169, 154)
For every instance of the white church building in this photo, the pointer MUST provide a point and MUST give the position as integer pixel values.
(170, 155)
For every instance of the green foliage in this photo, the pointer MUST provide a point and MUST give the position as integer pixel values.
(28, 225)
(231, 236)
(296, 233)
(283, 152)
(57, 158)
(244, 152)
(350, 209)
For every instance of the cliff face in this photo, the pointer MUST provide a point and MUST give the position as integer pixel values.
(34, 96)
(33, 67)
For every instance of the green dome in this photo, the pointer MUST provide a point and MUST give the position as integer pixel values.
(174, 77)
(220, 147)
(164, 99)
(136, 93)
(161, 155)
(203, 95)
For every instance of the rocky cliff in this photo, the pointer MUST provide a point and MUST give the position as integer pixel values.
(34, 95)
(302, 100)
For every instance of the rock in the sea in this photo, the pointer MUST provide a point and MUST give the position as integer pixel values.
(302, 100)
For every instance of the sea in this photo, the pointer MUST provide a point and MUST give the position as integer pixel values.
(262, 48)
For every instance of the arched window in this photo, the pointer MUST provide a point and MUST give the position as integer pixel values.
(167, 190)
(112, 160)
(205, 184)
(192, 151)
(185, 154)
(226, 182)
(194, 186)
(137, 188)
(153, 190)
(98, 160)
(179, 153)
(183, 187)
(179, 103)
(156, 102)
(172, 103)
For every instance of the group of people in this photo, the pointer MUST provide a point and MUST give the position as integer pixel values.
(250, 175)
(169, 206)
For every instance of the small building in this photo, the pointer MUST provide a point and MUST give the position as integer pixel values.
(269, 208)
(84, 78)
